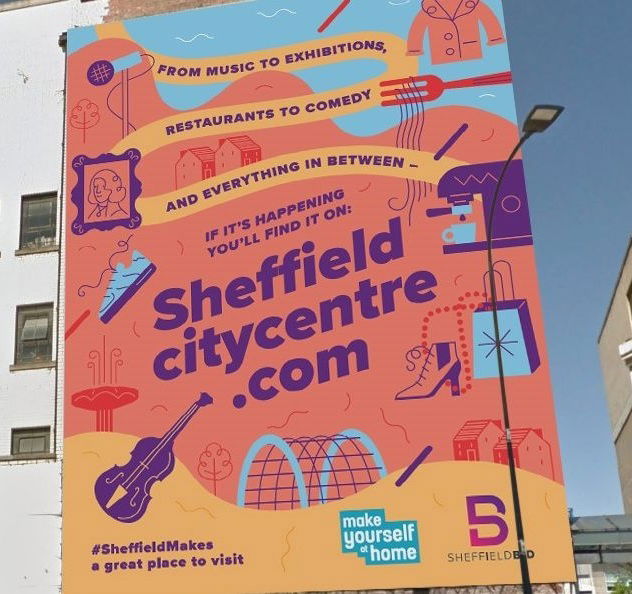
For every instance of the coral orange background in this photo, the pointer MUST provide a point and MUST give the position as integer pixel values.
(365, 401)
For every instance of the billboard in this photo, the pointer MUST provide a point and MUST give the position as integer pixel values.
(281, 368)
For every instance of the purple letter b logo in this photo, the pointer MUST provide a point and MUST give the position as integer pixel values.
(476, 520)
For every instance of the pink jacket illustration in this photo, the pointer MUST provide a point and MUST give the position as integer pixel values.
(453, 27)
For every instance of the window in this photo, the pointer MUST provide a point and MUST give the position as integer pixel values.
(39, 222)
(26, 442)
(34, 334)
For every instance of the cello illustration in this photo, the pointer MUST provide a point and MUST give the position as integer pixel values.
(123, 492)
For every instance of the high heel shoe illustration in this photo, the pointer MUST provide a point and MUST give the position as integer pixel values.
(441, 365)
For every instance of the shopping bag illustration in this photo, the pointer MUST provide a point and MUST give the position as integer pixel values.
(517, 343)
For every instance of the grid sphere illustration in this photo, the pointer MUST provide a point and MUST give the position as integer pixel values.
(294, 472)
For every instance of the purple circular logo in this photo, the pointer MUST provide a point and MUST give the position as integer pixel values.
(100, 73)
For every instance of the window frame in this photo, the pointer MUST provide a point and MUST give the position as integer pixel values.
(21, 313)
(33, 432)
(24, 248)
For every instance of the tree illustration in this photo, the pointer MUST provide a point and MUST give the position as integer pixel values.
(214, 464)
(84, 115)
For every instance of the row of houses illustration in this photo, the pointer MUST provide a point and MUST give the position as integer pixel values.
(202, 162)
(484, 440)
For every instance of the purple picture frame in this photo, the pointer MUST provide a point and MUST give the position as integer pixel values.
(81, 225)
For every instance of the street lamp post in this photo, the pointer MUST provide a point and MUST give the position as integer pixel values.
(540, 118)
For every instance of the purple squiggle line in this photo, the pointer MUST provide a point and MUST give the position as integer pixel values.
(123, 243)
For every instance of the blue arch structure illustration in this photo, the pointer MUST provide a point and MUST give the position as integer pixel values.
(255, 448)
(313, 464)
(366, 441)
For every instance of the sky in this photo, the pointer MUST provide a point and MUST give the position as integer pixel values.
(576, 54)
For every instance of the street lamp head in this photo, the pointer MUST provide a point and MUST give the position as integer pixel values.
(541, 117)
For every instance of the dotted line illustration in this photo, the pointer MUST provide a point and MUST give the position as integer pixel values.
(469, 301)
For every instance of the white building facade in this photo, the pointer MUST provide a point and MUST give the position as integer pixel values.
(32, 104)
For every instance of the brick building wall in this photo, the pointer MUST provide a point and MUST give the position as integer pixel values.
(125, 9)
(616, 331)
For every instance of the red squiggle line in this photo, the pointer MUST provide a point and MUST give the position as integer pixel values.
(296, 412)
(492, 136)
(153, 408)
(394, 425)
(289, 547)
(181, 247)
(136, 334)
(348, 403)
(190, 511)
(88, 247)
(365, 189)
(262, 86)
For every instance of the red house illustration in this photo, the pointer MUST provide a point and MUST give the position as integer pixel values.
(194, 165)
(476, 440)
(531, 451)
(236, 151)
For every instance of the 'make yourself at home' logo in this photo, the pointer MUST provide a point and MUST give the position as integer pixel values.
(367, 533)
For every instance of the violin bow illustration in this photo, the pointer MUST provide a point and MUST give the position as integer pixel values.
(123, 492)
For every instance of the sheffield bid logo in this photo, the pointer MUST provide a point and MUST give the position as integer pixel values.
(476, 518)
(488, 528)
(367, 533)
